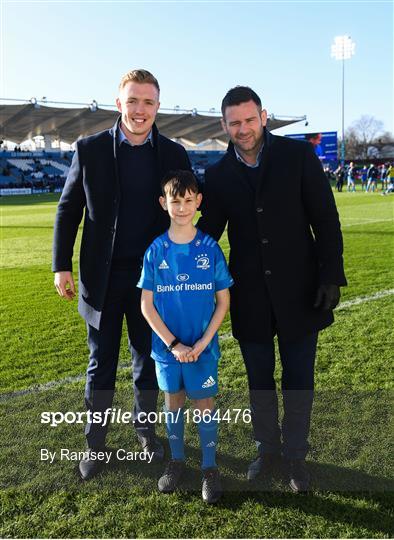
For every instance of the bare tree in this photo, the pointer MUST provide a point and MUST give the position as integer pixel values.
(353, 145)
(362, 135)
(367, 128)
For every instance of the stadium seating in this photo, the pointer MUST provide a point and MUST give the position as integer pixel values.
(5, 180)
(58, 164)
(25, 165)
(31, 169)
(19, 169)
(201, 160)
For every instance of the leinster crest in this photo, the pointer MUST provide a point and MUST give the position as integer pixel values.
(202, 261)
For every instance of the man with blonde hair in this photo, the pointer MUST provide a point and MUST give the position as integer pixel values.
(115, 179)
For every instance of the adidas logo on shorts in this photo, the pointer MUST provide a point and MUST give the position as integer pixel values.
(173, 437)
(209, 382)
(211, 444)
(163, 265)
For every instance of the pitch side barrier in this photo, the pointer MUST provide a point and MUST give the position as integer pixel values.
(36, 154)
(6, 192)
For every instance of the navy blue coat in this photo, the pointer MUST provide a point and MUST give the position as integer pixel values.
(93, 185)
(285, 238)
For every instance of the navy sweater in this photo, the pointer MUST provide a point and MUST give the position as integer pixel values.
(139, 197)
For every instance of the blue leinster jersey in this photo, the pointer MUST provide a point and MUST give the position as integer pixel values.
(184, 279)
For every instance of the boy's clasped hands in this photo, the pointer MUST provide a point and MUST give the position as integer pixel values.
(184, 353)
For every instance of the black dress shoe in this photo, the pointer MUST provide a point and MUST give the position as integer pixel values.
(299, 477)
(152, 445)
(90, 466)
(211, 486)
(169, 480)
(264, 465)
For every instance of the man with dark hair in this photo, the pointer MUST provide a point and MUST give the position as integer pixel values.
(115, 178)
(238, 95)
(286, 261)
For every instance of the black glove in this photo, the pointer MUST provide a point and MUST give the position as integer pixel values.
(327, 297)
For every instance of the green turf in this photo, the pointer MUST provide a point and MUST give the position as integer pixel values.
(43, 340)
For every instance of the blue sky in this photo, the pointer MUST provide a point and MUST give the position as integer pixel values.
(77, 51)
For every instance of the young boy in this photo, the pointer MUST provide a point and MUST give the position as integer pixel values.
(185, 297)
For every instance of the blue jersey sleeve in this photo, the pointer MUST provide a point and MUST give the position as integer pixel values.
(146, 280)
(223, 279)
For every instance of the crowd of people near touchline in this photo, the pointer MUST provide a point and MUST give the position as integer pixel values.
(370, 177)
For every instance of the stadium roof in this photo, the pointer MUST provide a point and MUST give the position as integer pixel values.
(19, 122)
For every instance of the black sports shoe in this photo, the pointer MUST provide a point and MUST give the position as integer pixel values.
(299, 476)
(89, 466)
(211, 486)
(169, 481)
(264, 465)
(152, 444)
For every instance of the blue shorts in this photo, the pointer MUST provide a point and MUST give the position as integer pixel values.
(198, 379)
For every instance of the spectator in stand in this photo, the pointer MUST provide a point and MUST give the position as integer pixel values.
(351, 172)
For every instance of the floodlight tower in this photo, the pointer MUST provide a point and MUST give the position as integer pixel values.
(343, 49)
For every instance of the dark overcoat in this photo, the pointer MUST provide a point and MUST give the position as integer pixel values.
(285, 238)
(93, 185)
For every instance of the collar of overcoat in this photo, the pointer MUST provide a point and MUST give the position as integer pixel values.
(265, 158)
(155, 138)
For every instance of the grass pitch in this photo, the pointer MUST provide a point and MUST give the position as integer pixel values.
(44, 352)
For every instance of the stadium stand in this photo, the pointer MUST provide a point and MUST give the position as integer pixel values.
(24, 165)
(202, 160)
(47, 169)
(36, 169)
(59, 165)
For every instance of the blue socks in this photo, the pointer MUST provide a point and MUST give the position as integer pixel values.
(208, 432)
(175, 431)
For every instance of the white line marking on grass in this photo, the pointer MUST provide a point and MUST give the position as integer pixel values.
(350, 218)
(364, 222)
(343, 305)
(53, 384)
(223, 337)
(363, 299)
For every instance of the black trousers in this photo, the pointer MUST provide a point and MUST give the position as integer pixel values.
(298, 361)
(122, 300)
